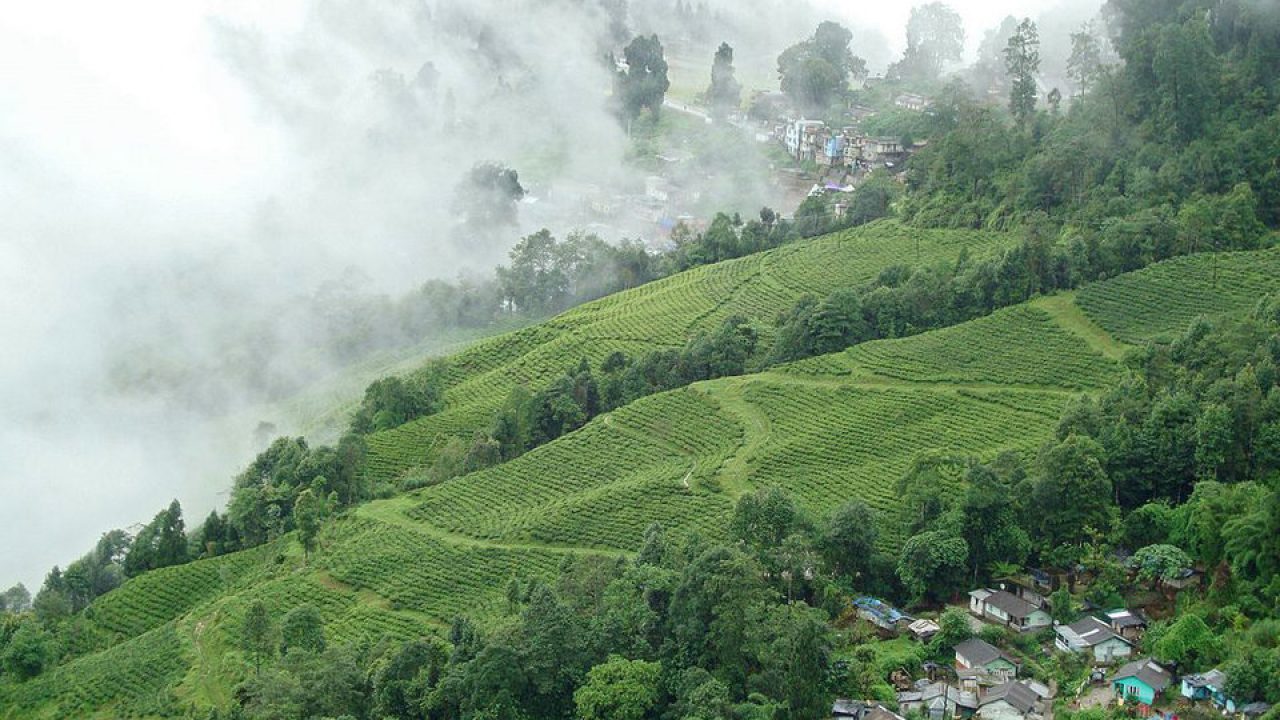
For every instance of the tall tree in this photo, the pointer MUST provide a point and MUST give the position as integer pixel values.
(1071, 494)
(935, 36)
(16, 599)
(486, 197)
(643, 84)
(308, 512)
(1085, 62)
(725, 93)
(849, 538)
(257, 634)
(1022, 62)
(816, 71)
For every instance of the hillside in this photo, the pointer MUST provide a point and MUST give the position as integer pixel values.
(825, 429)
(1164, 298)
(659, 315)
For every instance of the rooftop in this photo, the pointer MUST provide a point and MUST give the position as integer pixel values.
(1010, 604)
(980, 652)
(1148, 672)
(1088, 632)
(1018, 694)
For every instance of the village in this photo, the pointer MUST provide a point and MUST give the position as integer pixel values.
(1016, 662)
(789, 157)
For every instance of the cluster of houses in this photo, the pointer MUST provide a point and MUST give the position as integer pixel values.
(845, 148)
(986, 678)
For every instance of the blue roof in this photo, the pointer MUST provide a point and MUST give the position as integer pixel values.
(880, 608)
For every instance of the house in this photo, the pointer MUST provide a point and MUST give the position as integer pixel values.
(912, 102)
(1005, 608)
(833, 150)
(1034, 588)
(881, 149)
(1014, 701)
(937, 701)
(976, 653)
(798, 137)
(843, 709)
(1128, 624)
(1141, 681)
(1208, 686)
(862, 710)
(881, 614)
(1093, 636)
(923, 630)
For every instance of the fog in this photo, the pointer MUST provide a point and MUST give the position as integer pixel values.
(179, 180)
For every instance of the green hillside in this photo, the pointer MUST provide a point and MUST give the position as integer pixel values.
(1164, 298)
(661, 314)
(826, 429)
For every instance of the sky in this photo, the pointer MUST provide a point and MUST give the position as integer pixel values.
(173, 174)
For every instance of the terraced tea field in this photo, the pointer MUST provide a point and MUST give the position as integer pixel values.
(660, 314)
(826, 429)
(1163, 299)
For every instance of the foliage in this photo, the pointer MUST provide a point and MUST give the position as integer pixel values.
(816, 71)
(643, 84)
(725, 93)
(1189, 643)
(935, 37)
(1159, 562)
(1022, 62)
(619, 689)
(486, 198)
(28, 651)
(161, 543)
(932, 565)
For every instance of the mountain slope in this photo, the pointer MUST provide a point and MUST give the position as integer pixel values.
(661, 314)
(826, 429)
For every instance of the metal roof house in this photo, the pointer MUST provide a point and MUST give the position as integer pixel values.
(1095, 637)
(1141, 681)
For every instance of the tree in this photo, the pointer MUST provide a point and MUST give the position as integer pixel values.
(849, 538)
(797, 661)
(257, 634)
(1085, 62)
(619, 689)
(873, 198)
(29, 652)
(1156, 563)
(932, 565)
(765, 518)
(161, 543)
(486, 198)
(953, 629)
(308, 512)
(1022, 62)
(816, 71)
(989, 523)
(302, 629)
(1064, 606)
(935, 36)
(1184, 67)
(643, 84)
(1071, 493)
(725, 93)
(1188, 643)
(16, 599)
